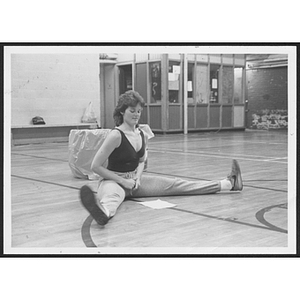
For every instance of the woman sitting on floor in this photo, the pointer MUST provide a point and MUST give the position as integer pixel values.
(125, 148)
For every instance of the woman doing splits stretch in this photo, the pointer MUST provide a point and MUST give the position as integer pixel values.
(125, 148)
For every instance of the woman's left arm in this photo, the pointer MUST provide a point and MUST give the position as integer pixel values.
(141, 165)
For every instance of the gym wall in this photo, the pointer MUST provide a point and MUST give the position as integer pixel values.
(268, 98)
(57, 87)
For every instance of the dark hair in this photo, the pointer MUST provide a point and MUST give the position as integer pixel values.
(128, 99)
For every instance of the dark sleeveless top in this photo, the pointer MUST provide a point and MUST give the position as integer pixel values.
(125, 158)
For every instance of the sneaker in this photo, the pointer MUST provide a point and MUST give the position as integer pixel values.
(88, 200)
(235, 177)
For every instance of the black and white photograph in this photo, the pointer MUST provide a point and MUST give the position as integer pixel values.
(150, 149)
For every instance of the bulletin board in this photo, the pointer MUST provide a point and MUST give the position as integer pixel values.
(201, 84)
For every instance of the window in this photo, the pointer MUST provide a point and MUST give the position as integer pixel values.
(155, 81)
(190, 82)
(238, 76)
(214, 83)
(174, 77)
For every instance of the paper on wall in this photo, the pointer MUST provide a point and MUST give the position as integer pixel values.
(171, 76)
(176, 69)
(173, 85)
(214, 83)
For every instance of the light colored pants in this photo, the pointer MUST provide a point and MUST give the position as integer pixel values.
(111, 194)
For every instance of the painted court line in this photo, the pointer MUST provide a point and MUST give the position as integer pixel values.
(276, 158)
(190, 139)
(47, 182)
(231, 220)
(38, 156)
(214, 155)
(198, 153)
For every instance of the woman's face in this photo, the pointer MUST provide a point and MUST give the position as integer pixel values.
(132, 114)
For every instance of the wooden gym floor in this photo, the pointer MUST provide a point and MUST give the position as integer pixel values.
(47, 216)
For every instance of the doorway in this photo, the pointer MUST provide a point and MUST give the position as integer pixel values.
(125, 78)
(107, 94)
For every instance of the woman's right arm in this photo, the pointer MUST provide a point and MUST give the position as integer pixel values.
(111, 142)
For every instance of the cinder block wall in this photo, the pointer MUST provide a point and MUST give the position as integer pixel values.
(57, 87)
(266, 92)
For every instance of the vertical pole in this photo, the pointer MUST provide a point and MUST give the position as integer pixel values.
(133, 74)
(165, 93)
(185, 94)
(102, 96)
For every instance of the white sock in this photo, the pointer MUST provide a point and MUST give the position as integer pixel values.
(226, 185)
(105, 210)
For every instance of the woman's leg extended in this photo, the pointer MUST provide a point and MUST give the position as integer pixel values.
(110, 195)
(155, 186)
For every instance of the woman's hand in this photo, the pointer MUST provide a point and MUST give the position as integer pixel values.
(128, 183)
(137, 184)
